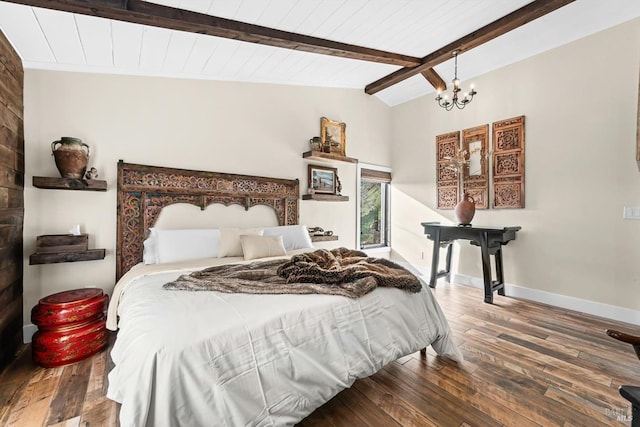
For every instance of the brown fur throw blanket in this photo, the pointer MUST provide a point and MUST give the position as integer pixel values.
(337, 272)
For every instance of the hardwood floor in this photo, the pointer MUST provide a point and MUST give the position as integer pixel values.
(526, 364)
(69, 396)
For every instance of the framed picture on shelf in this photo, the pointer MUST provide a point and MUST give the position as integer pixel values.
(333, 136)
(322, 179)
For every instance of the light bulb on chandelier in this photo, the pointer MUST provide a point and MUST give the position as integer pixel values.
(456, 101)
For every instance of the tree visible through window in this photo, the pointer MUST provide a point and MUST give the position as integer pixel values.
(374, 217)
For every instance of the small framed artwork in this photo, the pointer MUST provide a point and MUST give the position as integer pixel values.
(322, 179)
(333, 136)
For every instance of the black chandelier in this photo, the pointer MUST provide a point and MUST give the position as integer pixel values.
(457, 101)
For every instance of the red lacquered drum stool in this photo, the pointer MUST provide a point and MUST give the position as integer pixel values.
(71, 326)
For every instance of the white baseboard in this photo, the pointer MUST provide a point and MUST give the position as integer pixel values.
(415, 270)
(607, 311)
(383, 251)
(27, 332)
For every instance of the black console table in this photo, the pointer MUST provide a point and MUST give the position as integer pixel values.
(490, 240)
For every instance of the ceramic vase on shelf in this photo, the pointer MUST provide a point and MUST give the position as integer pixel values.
(465, 209)
(71, 156)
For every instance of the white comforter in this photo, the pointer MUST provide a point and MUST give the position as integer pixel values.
(214, 359)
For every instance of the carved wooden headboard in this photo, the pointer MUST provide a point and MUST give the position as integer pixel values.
(144, 190)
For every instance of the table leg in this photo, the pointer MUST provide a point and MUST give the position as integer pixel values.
(435, 258)
(448, 266)
(486, 267)
(499, 271)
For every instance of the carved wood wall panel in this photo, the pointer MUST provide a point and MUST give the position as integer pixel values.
(447, 145)
(143, 191)
(508, 163)
(477, 185)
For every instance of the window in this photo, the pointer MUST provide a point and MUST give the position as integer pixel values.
(374, 207)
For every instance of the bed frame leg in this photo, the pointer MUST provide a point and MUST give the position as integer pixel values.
(423, 351)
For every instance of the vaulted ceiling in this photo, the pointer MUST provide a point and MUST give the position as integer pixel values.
(57, 40)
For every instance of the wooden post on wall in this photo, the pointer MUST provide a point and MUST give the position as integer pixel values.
(11, 200)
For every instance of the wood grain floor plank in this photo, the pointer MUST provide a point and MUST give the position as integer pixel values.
(69, 397)
(34, 403)
(95, 385)
(563, 327)
(517, 365)
(320, 418)
(14, 380)
(584, 406)
(534, 337)
(512, 399)
(493, 350)
(42, 374)
(73, 422)
(98, 412)
(607, 366)
(370, 414)
(462, 410)
(401, 411)
(540, 408)
(340, 415)
(468, 392)
(559, 378)
(608, 350)
(569, 371)
(541, 346)
(421, 399)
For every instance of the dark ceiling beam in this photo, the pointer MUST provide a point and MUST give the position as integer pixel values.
(145, 13)
(489, 32)
(434, 78)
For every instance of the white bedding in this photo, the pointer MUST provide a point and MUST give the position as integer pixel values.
(208, 358)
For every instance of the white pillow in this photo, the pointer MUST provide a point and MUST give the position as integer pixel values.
(261, 246)
(181, 245)
(230, 240)
(149, 248)
(293, 236)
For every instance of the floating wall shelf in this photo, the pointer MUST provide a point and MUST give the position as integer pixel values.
(323, 238)
(319, 155)
(69, 183)
(325, 197)
(53, 258)
(55, 248)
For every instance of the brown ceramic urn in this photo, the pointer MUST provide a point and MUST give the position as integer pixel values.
(465, 209)
(71, 156)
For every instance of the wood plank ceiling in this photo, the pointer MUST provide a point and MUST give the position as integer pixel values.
(59, 40)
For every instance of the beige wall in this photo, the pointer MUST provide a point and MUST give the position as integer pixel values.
(226, 127)
(580, 105)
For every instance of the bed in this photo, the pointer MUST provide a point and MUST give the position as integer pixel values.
(235, 359)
